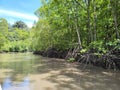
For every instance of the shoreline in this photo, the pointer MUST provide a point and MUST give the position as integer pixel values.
(105, 61)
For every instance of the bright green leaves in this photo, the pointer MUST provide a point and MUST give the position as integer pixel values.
(3, 31)
(98, 47)
(18, 34)
(114, 44)
(71, 60)
(16, 38)
(59, 20)
(42, 37)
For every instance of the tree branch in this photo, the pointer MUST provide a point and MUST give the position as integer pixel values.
(80, 4)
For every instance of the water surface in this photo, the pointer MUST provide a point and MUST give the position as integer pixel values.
(25, 71)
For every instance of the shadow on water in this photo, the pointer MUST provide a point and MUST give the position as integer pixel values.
(53, 74)
(73, 77)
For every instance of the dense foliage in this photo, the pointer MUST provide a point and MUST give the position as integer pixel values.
(63, 25)
(90, 24)
(14, 38)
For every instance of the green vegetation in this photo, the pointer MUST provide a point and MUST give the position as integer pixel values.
(90, 24)
(71, 60)
(3, 31)
(76, 26)
(87, 29)
(15, 38)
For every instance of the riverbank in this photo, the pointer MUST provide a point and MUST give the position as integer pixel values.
(110, 60)
(52, 53)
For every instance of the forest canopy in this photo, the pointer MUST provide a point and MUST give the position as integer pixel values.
(90, 24)
(14, 38)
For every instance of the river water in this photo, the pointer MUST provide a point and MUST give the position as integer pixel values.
(25, 71)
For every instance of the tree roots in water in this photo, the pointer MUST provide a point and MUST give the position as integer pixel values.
(110, 60)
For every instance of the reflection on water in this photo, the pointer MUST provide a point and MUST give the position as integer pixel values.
(25, 71)
(14, 70)
(0, 87)
(23, 85)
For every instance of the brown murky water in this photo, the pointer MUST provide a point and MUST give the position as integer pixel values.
(25, 71)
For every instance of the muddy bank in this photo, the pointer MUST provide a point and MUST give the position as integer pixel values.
(110, 60)
(53, 53)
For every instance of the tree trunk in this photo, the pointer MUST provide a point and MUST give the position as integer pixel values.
(79, 40)
(95, 21)
(76, 26)
(90, 35)
(114, 11)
